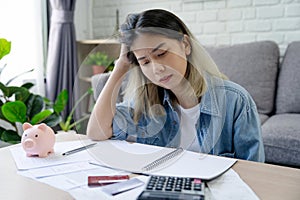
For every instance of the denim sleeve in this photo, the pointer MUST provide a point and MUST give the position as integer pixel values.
(247, 133)
(123, 122)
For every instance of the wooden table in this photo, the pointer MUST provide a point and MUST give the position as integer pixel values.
(267, 181)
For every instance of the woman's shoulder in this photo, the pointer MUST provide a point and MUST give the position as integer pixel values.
(227, 85)
(234, 87)
(233, 91)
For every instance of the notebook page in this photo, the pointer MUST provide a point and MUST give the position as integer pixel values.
(134, 156)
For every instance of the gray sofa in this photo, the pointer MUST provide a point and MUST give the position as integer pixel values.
(275, 87)
(274, 84)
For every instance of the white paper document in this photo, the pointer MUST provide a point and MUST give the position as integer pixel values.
(43, 172)
(23, 162)
(85, 192)
(77, 179)
(230, 186)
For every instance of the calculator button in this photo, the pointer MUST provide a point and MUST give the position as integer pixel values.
(168, 188)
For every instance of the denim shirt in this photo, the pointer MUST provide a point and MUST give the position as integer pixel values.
(228, 124)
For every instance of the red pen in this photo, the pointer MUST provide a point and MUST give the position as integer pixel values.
(104, 180)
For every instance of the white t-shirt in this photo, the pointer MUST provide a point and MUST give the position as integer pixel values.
(188, 119)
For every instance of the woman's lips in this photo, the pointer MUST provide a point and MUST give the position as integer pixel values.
(165, 79)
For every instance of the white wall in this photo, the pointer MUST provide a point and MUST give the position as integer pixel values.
(21, 22)
(214, 22)
(83, 19)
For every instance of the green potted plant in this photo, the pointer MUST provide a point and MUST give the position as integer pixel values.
(99, 61)
(19, 105)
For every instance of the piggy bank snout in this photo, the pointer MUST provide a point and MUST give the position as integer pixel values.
(29, 143)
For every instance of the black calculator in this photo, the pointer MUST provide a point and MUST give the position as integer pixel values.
(168, 188)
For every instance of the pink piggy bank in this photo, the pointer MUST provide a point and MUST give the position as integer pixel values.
(38, 140)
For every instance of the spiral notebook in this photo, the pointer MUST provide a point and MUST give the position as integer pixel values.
(154, 160)
(162, 160)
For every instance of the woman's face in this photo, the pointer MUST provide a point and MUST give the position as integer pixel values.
(162, 60)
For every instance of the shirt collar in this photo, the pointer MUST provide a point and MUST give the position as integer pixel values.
(208, 104)
(167, 100)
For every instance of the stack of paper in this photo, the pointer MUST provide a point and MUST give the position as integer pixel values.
(113, 157)
(70, 171)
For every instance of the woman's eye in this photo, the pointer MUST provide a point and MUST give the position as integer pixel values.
(161, 54)
(145, 63)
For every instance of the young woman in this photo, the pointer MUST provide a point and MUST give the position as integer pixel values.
(176, 95)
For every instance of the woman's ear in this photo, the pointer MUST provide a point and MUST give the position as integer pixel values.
(187, 45)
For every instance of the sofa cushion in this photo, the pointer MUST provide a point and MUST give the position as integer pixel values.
(281, 137)
(288, 96)
(252, 65)
(263, 118)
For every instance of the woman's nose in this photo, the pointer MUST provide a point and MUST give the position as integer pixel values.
(158, 68)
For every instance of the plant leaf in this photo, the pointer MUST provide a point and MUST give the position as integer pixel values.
(8, 91)
(53, 120)
(4, 47)
(38, 118)
(70, 116)
(48, 103)
(35, 104)
(90, 91)
(22, 94)
(98, 58)
(1, 115)
(10, 136)
(27, 85)
(14, 111)
(61, 101)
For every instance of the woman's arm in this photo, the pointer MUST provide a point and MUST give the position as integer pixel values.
(248, 139)
(100, 122)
